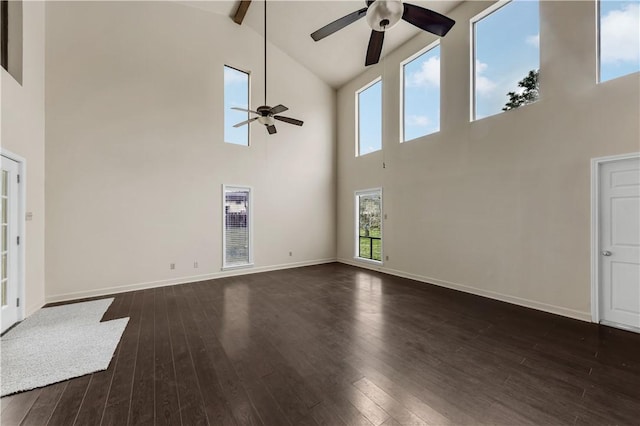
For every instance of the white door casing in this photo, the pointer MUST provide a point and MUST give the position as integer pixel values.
(617, 249)
(9, 270)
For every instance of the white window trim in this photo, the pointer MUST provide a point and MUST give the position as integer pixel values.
(228, 266)
(598, 46)
(248, 103)
(472, 33)
(370, 191)
(357, 113)
(402, 87)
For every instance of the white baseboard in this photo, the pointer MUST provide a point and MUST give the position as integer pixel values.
(182, 280)
(545, 307)
(33, 307)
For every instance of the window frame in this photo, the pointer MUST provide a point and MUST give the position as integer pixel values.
(473, 37)
(408, 60)
(357, 114)
(231, 188)
(598, 5)
(248, 73)
(357, 195)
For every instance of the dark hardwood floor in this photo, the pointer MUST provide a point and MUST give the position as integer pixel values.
(336, 345)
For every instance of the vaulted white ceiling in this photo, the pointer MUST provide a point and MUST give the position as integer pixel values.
(335, 59)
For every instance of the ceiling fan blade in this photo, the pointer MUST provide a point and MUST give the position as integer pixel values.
(375, 47)
(242, 123)
(278, 109)
(245, 110)
(427, 20)
(241, 11)
(338, 24)
(289, 120)
(271, 129)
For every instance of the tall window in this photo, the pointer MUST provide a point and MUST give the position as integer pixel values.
(421, 94)
(369, 225)
(619, 31)
(236, 94)
(237, 226)
(506, 60)
(369, 104)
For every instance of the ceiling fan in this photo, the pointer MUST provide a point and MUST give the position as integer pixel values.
(266, 114)
(383, 15)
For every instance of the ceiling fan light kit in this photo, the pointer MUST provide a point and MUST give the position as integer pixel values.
(382, 15)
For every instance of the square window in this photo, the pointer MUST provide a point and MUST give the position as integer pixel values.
(236, 94)
(369, 126)
(421, 94)
(619, 38)
(506, 57)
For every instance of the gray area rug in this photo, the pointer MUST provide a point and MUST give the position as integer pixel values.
(58, 343)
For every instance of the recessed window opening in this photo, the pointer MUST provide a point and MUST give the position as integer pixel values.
(369, 225)
(421, 94)
(236, 94)
(618, 38)
(369, 118)
(506, 57)
(237, 212)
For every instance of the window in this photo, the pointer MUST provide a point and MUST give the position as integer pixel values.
(369, 105)
(237, 226)
(506, 57)
(369, 225)
(11, 38)
(421, 94)
(619, 32)
(236, 94)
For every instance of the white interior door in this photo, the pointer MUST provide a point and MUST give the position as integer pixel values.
(620, 242)
(9, 241)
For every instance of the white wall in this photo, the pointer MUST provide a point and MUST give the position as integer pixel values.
(500, 206)
(23, 135)
(135, 154)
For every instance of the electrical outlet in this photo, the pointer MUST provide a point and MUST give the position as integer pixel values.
(386, 258)
(172, 266)
(385, 216)
(195, 264)
(290, 253)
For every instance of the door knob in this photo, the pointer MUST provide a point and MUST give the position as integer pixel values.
(606, 253)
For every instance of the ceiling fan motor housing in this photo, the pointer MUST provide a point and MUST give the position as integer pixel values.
(266, 117)
(384, 14)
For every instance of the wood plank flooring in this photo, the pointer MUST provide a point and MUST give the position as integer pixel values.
(337, 345)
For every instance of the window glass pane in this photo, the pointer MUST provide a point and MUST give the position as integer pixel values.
(507, 58)
(421, 79)
(370, 226)
(236, 94)
(370, 119)
(619, 38)
(236, 221)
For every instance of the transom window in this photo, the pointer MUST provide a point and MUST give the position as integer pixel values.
(619, 36)
(236, 94)
(421, 94)
(369, 125)
(506, 57)
(369, 225)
